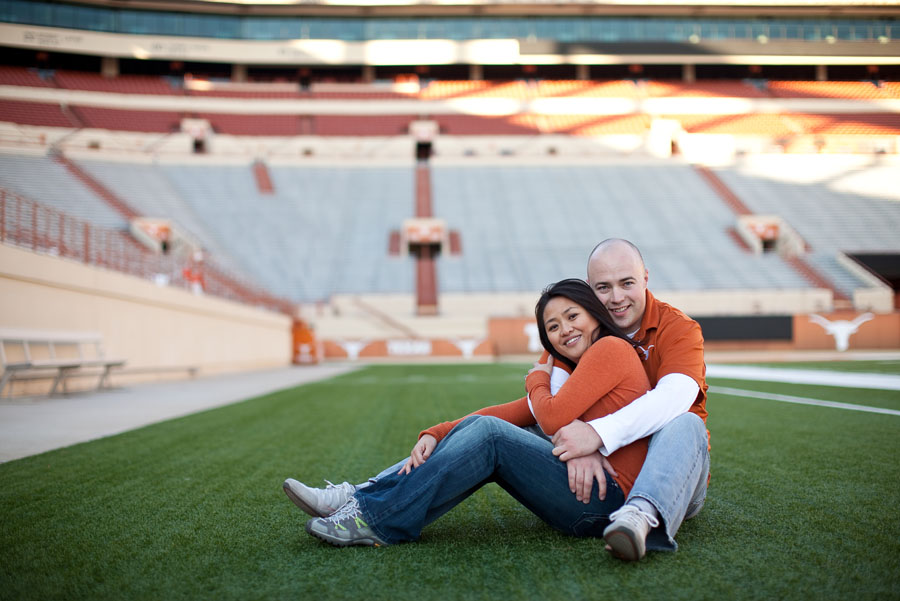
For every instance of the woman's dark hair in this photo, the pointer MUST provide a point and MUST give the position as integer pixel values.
(579, 292)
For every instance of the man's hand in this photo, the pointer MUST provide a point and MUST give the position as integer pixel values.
(575, 440)
(547, 367)
(582, 473)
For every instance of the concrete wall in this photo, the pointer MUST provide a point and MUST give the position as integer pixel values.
(152, 327)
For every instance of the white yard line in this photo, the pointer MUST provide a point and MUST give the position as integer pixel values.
(805, 376)
(753, 394)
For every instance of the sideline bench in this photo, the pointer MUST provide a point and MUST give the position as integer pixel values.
(32, 354)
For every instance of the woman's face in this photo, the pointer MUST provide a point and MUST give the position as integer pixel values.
(570, 329)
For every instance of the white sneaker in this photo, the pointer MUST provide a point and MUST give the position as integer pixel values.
(627, 533)
(318, 502)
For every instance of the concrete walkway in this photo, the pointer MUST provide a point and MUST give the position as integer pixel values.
(35, 425)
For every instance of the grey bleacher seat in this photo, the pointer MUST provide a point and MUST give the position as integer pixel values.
(42, 179)
(324, 231)
(147, 190)
(523, 227)
(827, 212)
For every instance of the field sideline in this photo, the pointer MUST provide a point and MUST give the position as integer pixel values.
(801, 504)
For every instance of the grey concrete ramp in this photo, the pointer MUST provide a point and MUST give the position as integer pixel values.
(35, 425)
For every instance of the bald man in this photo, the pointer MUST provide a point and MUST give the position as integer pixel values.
(672, 484)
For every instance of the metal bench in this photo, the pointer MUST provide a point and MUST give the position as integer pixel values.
(32, 354)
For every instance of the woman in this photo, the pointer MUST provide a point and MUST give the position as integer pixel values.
(452, 460)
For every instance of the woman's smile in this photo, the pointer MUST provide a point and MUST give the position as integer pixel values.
(570, 329)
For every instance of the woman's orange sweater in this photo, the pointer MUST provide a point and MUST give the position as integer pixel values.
(608, 377)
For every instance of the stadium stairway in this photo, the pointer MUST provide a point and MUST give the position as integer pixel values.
(426, 254)
(263, 179)
(98, 188)
(798, 263)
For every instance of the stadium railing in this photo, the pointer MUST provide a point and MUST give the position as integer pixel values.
(29, 224)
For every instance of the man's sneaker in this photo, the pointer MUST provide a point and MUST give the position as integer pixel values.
(346, 527)
(318, 502)
(627, 533)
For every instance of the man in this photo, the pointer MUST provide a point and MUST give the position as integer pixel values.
(672, 484)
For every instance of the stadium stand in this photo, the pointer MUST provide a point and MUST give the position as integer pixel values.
(152, 195)
(829, 219)
(578, 88)
(126, 120)
(867, 90)
(20, 76)
(299, 244)
(331, 91)
(257, 125)
(121, 84)
(706, 89)
(855, 124)
(361, 125)
(474, 89)
(332, 215)
(248, 95)
(44, 178)
(34, 113)
(523, 226)
(594, 125)
(774, 125)
(513, 220)
(476, 125)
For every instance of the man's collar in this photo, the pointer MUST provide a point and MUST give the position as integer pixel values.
(650, 320)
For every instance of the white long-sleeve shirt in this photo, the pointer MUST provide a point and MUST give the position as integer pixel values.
(674, 394)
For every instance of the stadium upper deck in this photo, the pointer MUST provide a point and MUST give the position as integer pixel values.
(367, 40)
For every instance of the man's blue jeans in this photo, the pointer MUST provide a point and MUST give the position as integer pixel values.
(674, 477)
(479, 450)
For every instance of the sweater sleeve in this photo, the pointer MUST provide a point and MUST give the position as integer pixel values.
(515, 412)
(599, 371)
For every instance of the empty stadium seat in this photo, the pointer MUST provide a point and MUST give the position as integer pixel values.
(820, 199)
(707, 89)
(122, 84)
(43, 179)
(526, 226)
(827, 89)
(20, 76)
(34, 113)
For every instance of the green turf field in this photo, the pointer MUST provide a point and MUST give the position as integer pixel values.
(803, 505)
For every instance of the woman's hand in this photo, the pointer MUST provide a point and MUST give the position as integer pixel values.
(420, 453)
(582, 473)
(547, 367)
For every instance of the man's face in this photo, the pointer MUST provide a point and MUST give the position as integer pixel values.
(619, 279)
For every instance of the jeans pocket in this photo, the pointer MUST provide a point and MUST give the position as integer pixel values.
(590, 524)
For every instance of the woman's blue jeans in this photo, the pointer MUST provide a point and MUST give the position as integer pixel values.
(673, 479)
(479, 450)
